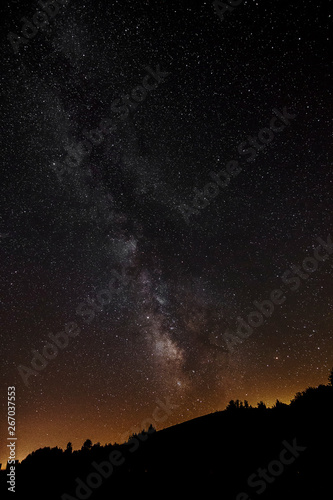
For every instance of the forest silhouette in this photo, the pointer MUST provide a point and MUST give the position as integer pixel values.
(241, 453)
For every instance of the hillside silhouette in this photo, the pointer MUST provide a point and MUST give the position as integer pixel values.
(240, 453)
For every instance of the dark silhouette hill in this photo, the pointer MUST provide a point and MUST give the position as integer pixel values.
(239, 453)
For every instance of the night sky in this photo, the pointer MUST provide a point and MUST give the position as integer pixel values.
(133, 247)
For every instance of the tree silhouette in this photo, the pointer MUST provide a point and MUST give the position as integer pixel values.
(232, 405)
(69, 447)
(238, 405)
(151, 429)
(330, 377)
(261, 406)
(279, 405)
(87, 445)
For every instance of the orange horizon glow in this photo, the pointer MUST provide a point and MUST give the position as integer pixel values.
(50, 433)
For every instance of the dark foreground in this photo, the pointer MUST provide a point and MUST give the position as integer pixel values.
(240, 453)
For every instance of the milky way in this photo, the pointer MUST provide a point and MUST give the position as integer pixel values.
(73, 222)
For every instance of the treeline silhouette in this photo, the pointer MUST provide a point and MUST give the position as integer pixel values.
(214, 455)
